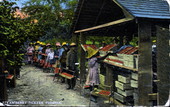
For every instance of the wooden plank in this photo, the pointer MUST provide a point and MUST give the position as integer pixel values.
(145, 63)
(124, 20)
(134, 83)
(65, 76)
(121, 66)
(122, 86)
(125, 92)
(153, 96)
(97, 93)
(134, 76)
(10, 77)
(124, 79)
(116, 102)
(163, 61)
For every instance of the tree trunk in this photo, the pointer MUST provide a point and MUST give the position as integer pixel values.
(3, 87)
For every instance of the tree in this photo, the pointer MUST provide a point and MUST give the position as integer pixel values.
(54, 16)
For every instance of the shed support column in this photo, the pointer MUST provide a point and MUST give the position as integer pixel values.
(109, 75)
(82, 58)
(145, 63)
(163, 64)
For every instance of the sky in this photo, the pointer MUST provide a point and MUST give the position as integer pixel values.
(19, 2)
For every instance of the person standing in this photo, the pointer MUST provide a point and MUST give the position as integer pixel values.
(50, 57)
(63, 60)
(93, 65)
(70, 63)
(40, 52)
(42, 61)
(30, 51)
(57, 52)
(47, 51)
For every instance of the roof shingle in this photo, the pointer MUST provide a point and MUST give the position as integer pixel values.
(147, 8)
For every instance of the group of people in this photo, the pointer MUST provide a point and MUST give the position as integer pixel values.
(63, 56)
(66, 58)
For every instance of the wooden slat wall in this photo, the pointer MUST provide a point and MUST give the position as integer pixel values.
(163, 63)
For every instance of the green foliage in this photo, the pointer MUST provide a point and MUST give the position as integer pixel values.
(98, 40)
(134, 41)
(54, 16)
(13, 33)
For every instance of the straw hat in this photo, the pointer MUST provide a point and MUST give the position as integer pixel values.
(72, 44)
(91, 52)
(48, 44)
(58, 44)
(42, 43)
(64, 43)
(38, 42)
(154, 41)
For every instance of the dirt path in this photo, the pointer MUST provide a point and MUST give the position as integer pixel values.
(38, 88)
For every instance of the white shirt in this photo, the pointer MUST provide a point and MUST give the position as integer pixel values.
(30, 49)
(47, 51)
(51, 55)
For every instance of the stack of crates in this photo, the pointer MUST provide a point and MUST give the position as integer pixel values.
(108, 48)
(124, 92)
(129, 57)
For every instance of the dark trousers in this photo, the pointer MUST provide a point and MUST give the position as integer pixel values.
(71, 82)
(63, 65)
(93, 98)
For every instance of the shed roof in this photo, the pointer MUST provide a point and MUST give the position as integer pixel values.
(147, 8)
(106, 17)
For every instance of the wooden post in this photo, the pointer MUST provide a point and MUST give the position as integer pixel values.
(163, 61)
(82, 58)
(77, 39)
(13, 81)
(109, 75)
(121, 41)
(145, 63)
(3, 86)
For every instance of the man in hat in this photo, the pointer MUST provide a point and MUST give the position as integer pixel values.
(63, 59)
(47, 51)
(40, 51)
(70, 63)
(57, 53)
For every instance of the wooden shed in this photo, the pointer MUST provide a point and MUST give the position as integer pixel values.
(145, 19)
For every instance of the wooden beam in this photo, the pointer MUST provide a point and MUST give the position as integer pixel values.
(81, 5)
(145, 64)
(126, 12)
(163, 61)
(124, 20)
(82, 58)
(99, 13)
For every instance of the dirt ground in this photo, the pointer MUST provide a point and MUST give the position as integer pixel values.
(36, 87)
